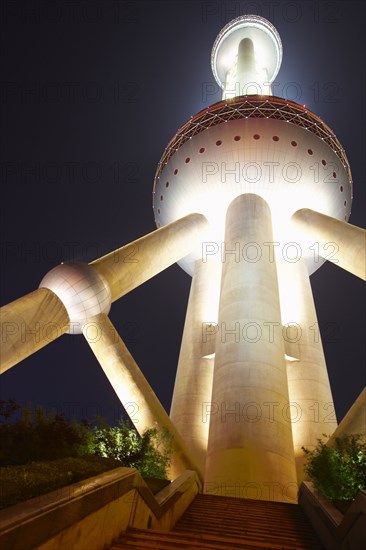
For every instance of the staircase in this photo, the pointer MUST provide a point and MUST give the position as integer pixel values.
(213, 522)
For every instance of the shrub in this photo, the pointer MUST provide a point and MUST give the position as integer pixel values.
(8, 408)
(338, 470)
(21, 482)
(150, 453)
(37, 436)
(40, 436)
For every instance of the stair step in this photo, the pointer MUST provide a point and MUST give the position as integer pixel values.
(222, 523)
(249, 532)
(242, 526)
(284, 538)
(256, 535)
(244, 523)
(162, 539)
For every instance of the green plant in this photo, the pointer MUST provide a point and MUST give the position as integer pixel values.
(8, 407)
(150, 453)
(338, 469)
(21, 482)
(38, 435)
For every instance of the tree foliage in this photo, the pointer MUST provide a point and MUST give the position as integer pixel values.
(150, 453)
(39, 436)
(338, 469)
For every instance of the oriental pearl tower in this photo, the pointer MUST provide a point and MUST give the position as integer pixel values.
(250, 197)
(275, 185)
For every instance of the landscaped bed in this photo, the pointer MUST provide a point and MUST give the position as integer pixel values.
(41, 452)
(22, 482)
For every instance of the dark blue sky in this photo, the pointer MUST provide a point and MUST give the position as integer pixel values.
(92, 92)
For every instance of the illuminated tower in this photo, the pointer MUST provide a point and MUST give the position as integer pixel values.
(252, 377)
(250, 197)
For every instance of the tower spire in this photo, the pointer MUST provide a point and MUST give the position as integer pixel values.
(246, 57)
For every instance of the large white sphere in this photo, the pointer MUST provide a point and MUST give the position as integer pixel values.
(83, 291)
(276, 149)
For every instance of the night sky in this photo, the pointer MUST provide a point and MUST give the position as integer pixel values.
(91, 94)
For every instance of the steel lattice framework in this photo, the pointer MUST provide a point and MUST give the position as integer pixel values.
(245, 107)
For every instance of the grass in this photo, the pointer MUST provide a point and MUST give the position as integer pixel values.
(22, 482)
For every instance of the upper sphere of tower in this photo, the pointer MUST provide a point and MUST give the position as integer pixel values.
(261, 32)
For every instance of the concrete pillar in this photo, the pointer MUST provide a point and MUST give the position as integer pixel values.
(128, 267)
(193, 382)
(133, 390)
(339, 242)
(30, 323)
(250, 449)
(246, 70)
(312, 407)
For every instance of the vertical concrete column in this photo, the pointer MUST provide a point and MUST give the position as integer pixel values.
(246, 70)
(312, 407)
(132, 388)
(340, 242)
(193, 383)
(250, 448)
